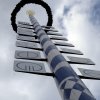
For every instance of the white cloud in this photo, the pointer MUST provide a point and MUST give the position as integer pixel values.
(13, 85)
(82, 32)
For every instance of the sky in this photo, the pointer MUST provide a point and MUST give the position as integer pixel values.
(78, 20)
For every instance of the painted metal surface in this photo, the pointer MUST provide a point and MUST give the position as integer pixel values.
(27, 38)
(49, 27)
(69, 84)
(29, 55)
(24, 31)
(29, 45)
(90, 73)
(24, 24)
(58, 38)
(53, 30)
(22, 66)
(64, 44)
(71, 51)
(80, 60)
(54, 33)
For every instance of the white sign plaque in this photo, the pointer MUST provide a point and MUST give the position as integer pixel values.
(22, 66)
(90, 73)
(64, 44)
(34, 55)
(24, 31)
(58, 38)
(71, 51)
(54, 33)
(79, 60)
(50, 29)
(23, 23)
(30, 45)
(27, 38)
(24, 26)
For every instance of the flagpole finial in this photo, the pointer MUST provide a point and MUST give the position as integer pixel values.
(30, 12)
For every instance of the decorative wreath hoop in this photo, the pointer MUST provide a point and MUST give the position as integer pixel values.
(24, 2)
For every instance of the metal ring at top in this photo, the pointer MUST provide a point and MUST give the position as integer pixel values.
(24, 2)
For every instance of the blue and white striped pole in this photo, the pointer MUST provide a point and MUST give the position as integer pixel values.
(69, 84)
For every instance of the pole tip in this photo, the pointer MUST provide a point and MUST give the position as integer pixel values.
(30, 12)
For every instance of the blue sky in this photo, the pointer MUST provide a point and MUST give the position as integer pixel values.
(78, 20)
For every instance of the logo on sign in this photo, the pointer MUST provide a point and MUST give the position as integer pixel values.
(29, 67)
